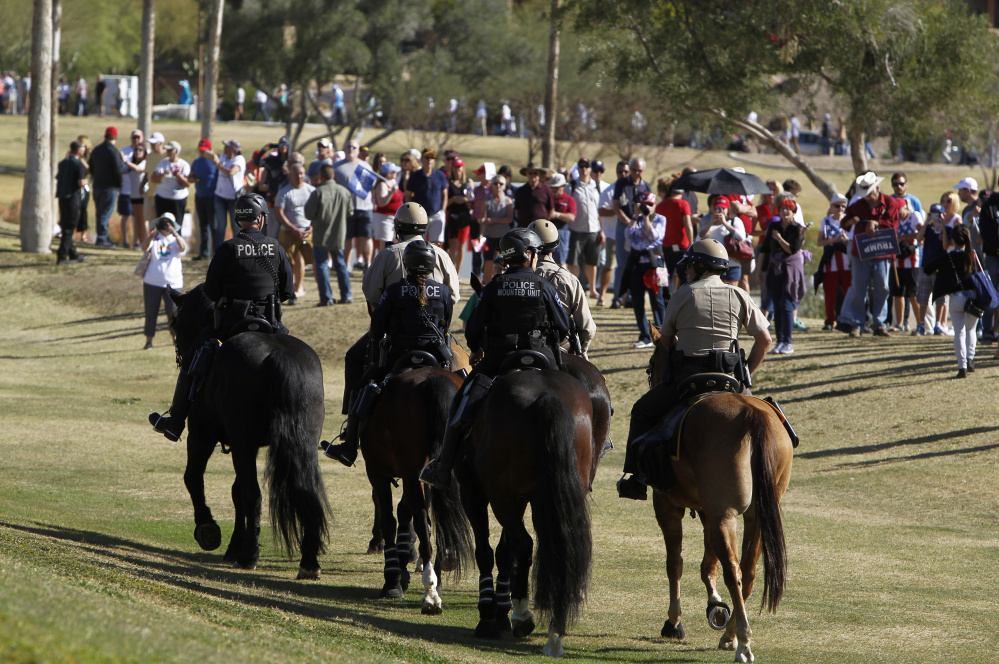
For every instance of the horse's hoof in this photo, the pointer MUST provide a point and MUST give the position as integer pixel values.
(744, 654)
(392, 592)
(504, 623)
(375, 547)
(670, 631)
(208, 535)
(726, 644)
(404, 581)
(311, 574)
(248, 566)
(522, 628)
(487, 629)
(428, 609)
(718, 614)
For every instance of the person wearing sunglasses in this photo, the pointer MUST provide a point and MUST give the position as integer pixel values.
(835, 259)
(900, 190)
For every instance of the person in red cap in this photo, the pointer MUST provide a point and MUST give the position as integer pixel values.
(106, 168)
(719, 223)
(204, 175)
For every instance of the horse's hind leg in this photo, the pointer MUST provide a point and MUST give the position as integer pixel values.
(413, 495)
(403, 542)
(476, 508)
(245, 464)
(522, 552)
(670, 518)
(206, 531)
(718, 612)
(504, 570)
(239, 530)
(381, 490)
(752, 548)
(377, 542)
(721, 533)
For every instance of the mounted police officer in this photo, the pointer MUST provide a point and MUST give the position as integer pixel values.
(413, 315)
(517, 311)
(386, 269)
(700, 330)
(570, 291)
(249, 277)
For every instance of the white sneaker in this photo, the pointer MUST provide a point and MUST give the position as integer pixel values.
(640, 345)
(948, 331)
(787, 349)
(777, 350)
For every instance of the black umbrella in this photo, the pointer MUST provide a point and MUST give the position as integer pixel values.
(722, 181)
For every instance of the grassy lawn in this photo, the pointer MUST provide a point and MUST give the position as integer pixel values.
(890, 516)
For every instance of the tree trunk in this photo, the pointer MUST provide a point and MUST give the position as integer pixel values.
(208, 94)
(56, 45)
(146, 66)
(551, 90)
(765, 135)
(857, 153)
(36, 199)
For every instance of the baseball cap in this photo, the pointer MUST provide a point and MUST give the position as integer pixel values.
(325, 143)
(365, 149)
(173, 145)
(648, 198)
(967, 183)
(936, 207)
(157, 137)
(557, 180)
(598, 166)
(450, 153)
(459, 162)
(284, 142)
(111, 132)
(234, 144)
(722, 202)
(204, 144)
(480, 170)
(429, 154)
(583, 162)
(389, 167)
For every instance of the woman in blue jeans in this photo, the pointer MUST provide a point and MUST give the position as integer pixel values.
(646, 234)
(785, 274)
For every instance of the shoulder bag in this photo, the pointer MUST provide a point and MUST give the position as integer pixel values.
(739, 250)
(143, 265)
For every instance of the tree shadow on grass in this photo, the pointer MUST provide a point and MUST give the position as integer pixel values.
(320, 601)
(137, 315)
(919, 457)
(867, 449)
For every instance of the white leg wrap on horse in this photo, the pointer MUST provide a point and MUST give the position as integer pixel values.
(521, 612)
(486, 592)
(503, 595)
(432, 597)
(743, 653)
(554, 646)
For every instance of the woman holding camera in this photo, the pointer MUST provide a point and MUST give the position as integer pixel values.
(785, 274)
(953, 272)
(646, 234)
(165, 245)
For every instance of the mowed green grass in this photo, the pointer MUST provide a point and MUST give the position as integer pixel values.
(890, 517)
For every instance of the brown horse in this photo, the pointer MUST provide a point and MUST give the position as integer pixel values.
(531, 442)
(734, 458)
(406, 427)
(459, 361)
(596, 386)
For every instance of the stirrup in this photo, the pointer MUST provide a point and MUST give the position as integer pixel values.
(336, 453)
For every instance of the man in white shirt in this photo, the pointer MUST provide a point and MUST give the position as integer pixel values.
(240, 103)
(585, 231)
(608, 220)
(295, 233)
(232, 175)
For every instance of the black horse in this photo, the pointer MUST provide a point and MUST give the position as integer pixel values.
(262, 390)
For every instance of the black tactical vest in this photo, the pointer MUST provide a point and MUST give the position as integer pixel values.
(410, 319)
(247, 276)
(518, 319)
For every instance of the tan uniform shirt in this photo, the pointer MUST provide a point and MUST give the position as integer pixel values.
(570, 291)
(706, 315)
(387, 268)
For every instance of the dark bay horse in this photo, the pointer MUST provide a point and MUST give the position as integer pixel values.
(405, 429)
(262, 390)
(735, 458)
(596, 386)
(531, 442)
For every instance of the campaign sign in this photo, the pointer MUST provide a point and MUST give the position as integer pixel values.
(883, 244)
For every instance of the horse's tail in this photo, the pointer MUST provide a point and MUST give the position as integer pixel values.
(768, 510)
(451, 528)
(560, 515)
(298, 501)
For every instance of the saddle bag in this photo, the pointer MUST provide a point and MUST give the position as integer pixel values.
(365, 403)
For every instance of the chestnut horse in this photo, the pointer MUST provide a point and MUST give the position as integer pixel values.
(406, 428)
(531, 442)
(734, 458)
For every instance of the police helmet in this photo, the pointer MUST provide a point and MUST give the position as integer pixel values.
(710, 253)
(547, 232)
(410, 219)
(249, 207)
(515, 245)
(419, 258)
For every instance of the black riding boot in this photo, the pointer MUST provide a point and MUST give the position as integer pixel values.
(437, 473)
(346, 452)
(172, 425)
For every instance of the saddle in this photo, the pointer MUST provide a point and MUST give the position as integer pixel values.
(251, 324)
(525, 360)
